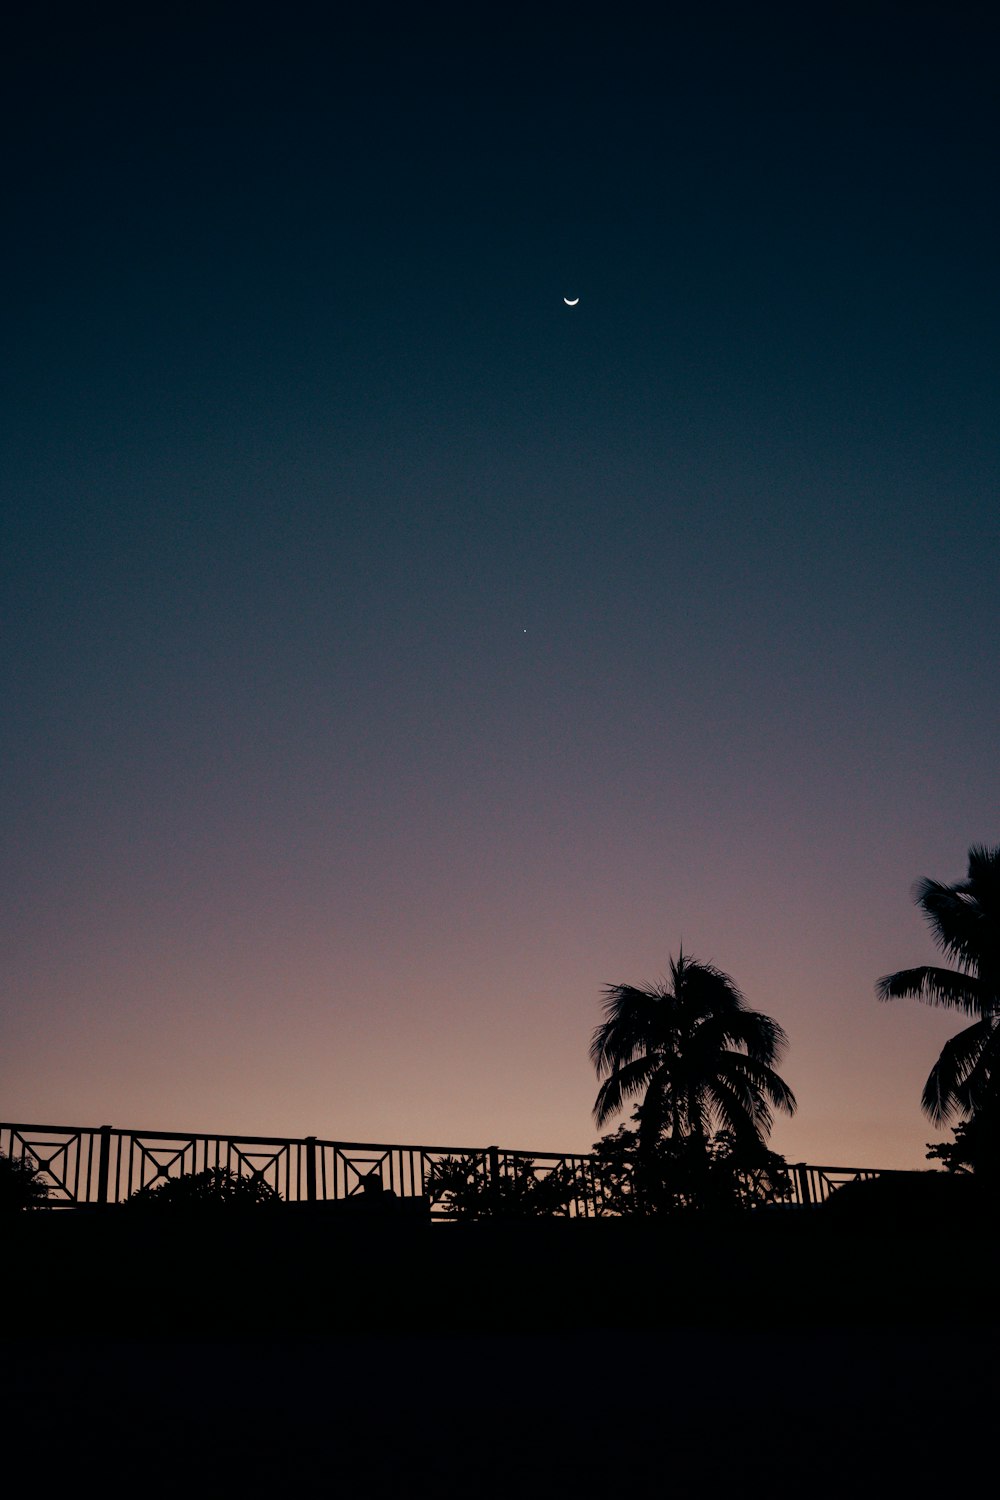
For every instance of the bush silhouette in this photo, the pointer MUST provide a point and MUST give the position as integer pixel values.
(463, 1188)
(975, 1146)
(212, 1188)
(686, 1172)
(20, 1185)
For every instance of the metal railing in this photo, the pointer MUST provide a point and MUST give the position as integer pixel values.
(815, 1184)
(85, 1166)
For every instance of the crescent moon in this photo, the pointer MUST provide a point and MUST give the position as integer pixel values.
(571, 301)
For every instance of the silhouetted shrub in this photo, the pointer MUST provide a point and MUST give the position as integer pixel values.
(957, 1155)
(20, 1185)
(213, 1188)
(976, 1147)
(614, 1158)
(721, 1172)
(463, 1187)
(686, 1172)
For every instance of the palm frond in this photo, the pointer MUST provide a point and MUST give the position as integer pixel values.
(965, 917)
(707, 989)
(934, 986)
(760, 1078)
(984, 869)
(955, 919)
(978, 1088)
(735, 1107)
(629, 1026)
(944, 1092)
(624, 1083)
(763, 1038)
(759, 1035)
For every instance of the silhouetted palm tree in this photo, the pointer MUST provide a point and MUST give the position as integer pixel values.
(965, 921)
(700, 1058)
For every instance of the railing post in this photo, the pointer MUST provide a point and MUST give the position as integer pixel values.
(104, 1166)
(802, 1177)
(310, 1169)
(494, 1188)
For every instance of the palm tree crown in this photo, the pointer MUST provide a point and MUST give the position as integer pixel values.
(695, 1051)
(965, 921)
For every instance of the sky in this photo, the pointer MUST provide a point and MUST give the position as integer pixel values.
(394, 655)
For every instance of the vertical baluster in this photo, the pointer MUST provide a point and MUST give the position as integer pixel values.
(77, 1167)
(802, 1177)
(310, 1145)
(102, 1166)
(494, 1178)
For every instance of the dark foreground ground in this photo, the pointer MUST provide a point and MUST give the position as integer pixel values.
(303, 1355)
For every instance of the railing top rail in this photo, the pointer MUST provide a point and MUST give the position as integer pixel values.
(22, 1128)
(159, 1135)
(285, 1140)
(396, 1146)
(811, 1166)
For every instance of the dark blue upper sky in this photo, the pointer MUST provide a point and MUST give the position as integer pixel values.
(387, 640)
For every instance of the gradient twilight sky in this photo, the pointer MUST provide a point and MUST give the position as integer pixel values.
(394, 655)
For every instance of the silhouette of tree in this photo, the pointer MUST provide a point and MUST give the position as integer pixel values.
(614, 1171)
(964, 919)
(215, 1187)
(20, 1185)
(959, 1154)
(464, 1188)
(689, 1172)
(718, 1173)
(700, 1058)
